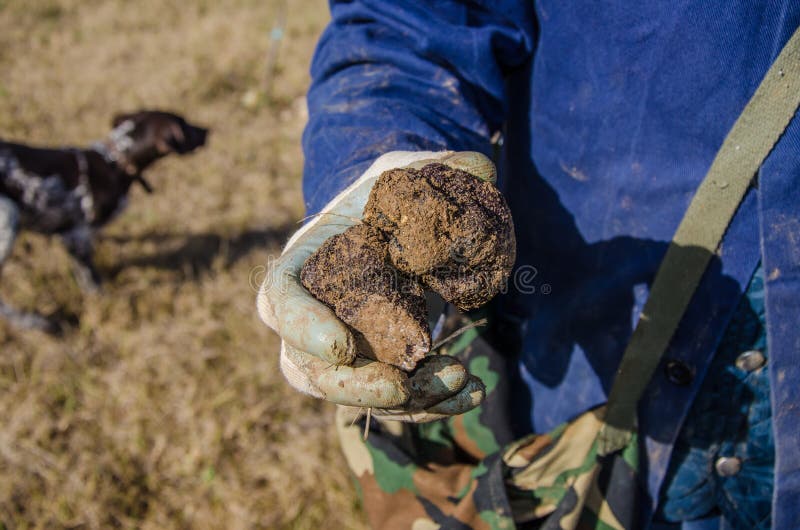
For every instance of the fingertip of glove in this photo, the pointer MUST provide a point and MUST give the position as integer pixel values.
(474, 163)
(343, 352)
(437, 378)
(467, 399)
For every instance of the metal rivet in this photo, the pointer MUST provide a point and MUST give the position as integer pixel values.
(678, 373)
(751, 360)
(728, 466)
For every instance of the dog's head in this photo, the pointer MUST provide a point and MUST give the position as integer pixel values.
(147, 135)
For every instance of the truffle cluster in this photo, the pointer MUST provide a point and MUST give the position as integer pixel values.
(434, 228)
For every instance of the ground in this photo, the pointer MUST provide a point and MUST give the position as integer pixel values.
(162, 405)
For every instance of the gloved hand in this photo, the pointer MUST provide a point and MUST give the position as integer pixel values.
(318, 355)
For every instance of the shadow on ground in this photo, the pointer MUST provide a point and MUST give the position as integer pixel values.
(193, 253)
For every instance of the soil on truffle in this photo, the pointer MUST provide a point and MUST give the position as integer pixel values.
(449, 228)
(352, 274)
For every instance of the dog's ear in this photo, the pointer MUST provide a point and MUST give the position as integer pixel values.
(170, 138)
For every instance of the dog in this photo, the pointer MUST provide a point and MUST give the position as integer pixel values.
(73, 192)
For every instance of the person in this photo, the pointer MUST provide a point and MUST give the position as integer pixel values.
(610, 114)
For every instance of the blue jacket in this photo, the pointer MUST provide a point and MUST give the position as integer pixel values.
(611, 114)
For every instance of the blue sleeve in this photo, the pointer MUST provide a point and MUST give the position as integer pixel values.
(406, 75)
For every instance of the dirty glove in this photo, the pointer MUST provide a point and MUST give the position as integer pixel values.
(318, 353)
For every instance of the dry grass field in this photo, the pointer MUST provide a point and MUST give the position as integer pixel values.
(162, 406)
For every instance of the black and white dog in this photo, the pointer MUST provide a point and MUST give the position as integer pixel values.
(71, 192)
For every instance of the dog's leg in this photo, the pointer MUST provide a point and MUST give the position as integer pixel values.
(28, 320)
(79, 244)
(9, 225)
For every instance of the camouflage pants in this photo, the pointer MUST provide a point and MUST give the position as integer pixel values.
(468, 472)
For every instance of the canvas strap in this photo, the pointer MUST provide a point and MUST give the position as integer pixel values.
(697, 239)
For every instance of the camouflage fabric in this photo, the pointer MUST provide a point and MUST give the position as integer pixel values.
(468, 472)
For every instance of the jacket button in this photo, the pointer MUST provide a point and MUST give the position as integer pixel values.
(728, 466)
(751, 360)
(678, 373)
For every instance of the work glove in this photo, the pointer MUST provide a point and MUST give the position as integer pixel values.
(318, 351)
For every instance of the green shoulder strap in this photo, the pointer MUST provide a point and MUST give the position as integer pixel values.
(697, 239)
